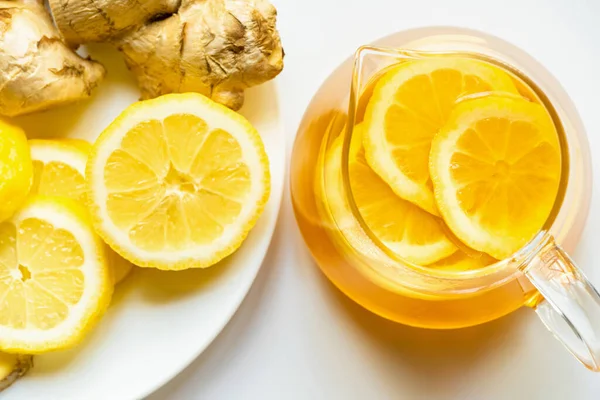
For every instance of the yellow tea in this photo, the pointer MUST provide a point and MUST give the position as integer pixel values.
(439, 179)
(446, 165)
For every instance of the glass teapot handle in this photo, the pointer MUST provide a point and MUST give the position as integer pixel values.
(570, 307)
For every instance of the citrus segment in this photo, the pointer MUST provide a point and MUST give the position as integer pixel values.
(496, 168)
(59, 167)
(409, 104)
(177, 182)
(145, 142)
(54, 281)
(403, 227)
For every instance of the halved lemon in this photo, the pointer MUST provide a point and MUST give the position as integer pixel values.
(496, 168)
(54, 281)
(404, 228)
(59, 170)
(177, 182)
(409, 104)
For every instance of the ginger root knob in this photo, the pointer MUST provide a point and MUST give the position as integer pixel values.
(214, 47)
(87, 21)
(37, 70)
(12, 367)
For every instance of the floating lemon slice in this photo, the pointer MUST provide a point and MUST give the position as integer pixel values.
(177, 182)
(410, 103)
(404, 228)
(496, 168)
(460, 261)
(59, 170)
(54, 282)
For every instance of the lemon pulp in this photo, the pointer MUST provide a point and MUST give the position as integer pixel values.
(409, 104)
(177, 182)
(54, 282)
(496, 169)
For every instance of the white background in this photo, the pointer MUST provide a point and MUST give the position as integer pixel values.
(297, 337)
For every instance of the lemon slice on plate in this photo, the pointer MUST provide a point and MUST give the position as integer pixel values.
(177, 182)
(404, 228)
(410, 103)
(59, 167)
(496, 168)
(54, 282)
(59, 170)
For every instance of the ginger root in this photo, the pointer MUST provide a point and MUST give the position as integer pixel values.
(214, 47)
(37, 70)
(12, 367)
(86, 21)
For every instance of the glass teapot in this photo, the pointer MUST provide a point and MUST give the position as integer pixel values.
(539, 275)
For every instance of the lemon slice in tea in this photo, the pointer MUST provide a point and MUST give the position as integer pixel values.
(404, 228)
(461, 261)
(496, 168)
(409, 104)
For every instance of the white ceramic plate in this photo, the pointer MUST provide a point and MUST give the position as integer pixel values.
(158, 321)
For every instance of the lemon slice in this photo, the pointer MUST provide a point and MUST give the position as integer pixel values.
(54, 282)
(177, 182)
(410, 103)
(59, 167)
(460, 261)
(59, 170)
(16, 170)
(496, 168)
(404, 228)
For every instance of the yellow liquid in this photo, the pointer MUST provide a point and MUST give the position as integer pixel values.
(373, 281)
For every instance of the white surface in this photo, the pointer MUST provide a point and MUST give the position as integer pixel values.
(296, 337)
(158, 321)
